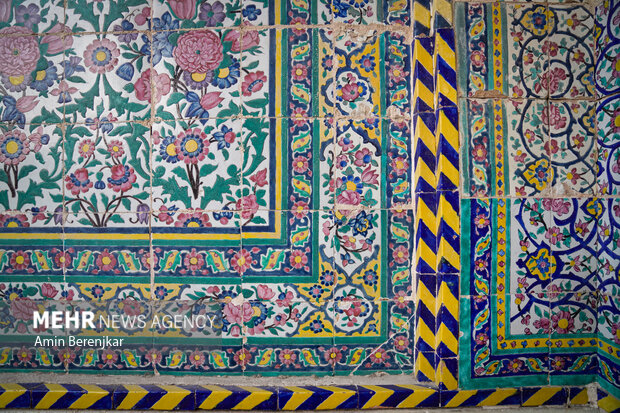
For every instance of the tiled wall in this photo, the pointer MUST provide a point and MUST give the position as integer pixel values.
(274, 161)
(539, 286)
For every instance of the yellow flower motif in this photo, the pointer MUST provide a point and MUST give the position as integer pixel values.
(542, 265)
(539, 174)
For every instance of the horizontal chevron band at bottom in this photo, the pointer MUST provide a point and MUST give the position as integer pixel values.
(211, 397)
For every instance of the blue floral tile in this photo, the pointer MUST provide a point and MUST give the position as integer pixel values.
(572, 147)
(573, 225)
(196, 165)
(45, 16)
(32, 78)
(108, 63)
(608, 236)
(33, 165)
(192, 14)
(607, 118)
(199, 88)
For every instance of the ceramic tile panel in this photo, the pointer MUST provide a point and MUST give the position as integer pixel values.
(246, 159)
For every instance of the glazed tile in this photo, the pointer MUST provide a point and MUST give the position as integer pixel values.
(357, 76)
(107, 169)
(199, 89)
(33, 166)
(196, 14)
(512, 161)
(196, 165)
(608, 235)
(573, 319)
(570, 49)
(607, 118)
(32, 16)
(102, 86)
(311, 94)
(33, 81)
(574, 244)
(124, 15)
(572, 147)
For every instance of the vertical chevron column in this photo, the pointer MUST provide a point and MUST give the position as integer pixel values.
(448, 229)
(435, 122)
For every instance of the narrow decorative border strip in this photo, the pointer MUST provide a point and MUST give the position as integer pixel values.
(40, 396)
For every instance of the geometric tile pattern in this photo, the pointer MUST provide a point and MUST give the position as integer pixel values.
(284, 398)
(539, 293)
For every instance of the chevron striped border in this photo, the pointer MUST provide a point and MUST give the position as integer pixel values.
(39, 396)
(607, 402)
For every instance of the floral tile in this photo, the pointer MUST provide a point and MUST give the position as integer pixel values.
(608, 236)
(507, 146)
(511, 60)
(574, 244)
(570, 49)
(482, 337)
(608, 319)
(527, 142)
(203, 88)
(358, 74)
(32, 16)
(309, 95)
(573, 319)
(196, 14)
(354, 318)
(100, 72)
(527, 318)
(108, 169)
(572, 147)
(45, 258)
(196, 165)
(356, 11)
(607, 118)
(32, 79)
(33, 164)
(124, 15)
(608, 47)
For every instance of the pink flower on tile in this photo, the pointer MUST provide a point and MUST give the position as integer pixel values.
(183, 9)
(161, 83)
(554, 235)
(253, 82)
(48, 290)
(264, 292)
(248, 206)
(198, 51)
(210, 100)
(241, 261)
(563, 322)
(78, 182)
(298, 259)
(250, 39)
(18, 54)
(551, 115)
(122, 178)
(101, 56)
(55, 41)
(238, 314)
